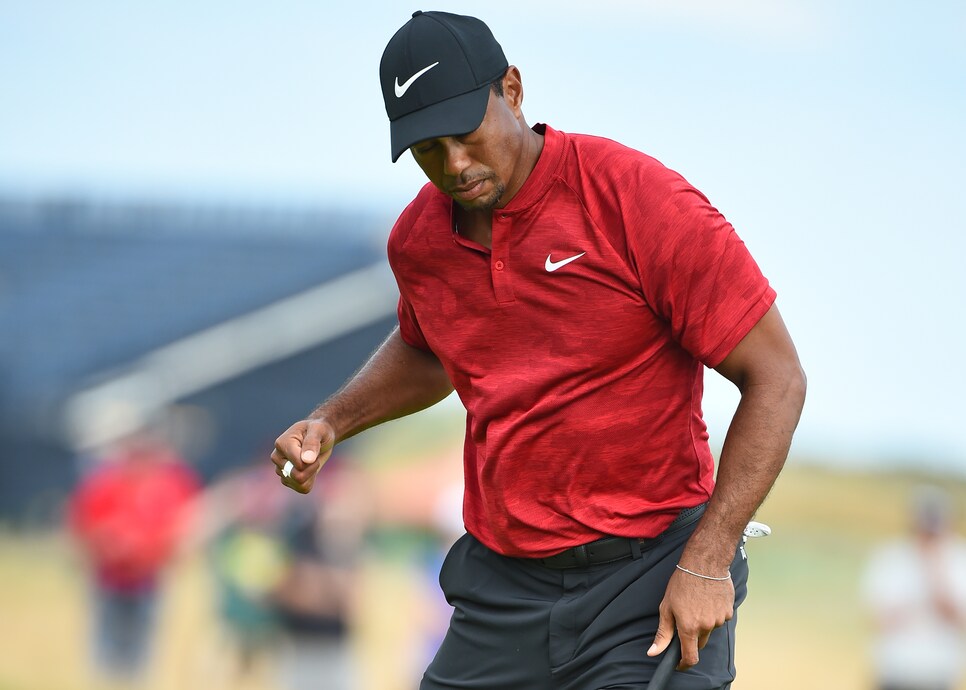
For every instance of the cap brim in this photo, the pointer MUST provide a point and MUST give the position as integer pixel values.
(457, 115)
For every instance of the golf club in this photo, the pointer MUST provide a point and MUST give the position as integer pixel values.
(672, 656)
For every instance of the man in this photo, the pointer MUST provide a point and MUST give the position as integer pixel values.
(915, 589)
(571, 295)
(129, 514)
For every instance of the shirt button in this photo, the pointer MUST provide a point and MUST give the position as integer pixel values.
(499, 265)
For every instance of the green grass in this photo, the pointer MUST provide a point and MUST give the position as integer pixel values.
(802, 617)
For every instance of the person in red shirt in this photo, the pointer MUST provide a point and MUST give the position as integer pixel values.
(572, 291)
(129, 515)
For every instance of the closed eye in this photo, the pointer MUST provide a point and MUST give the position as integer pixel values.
(424, 147)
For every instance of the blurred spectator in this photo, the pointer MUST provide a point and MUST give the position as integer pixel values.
(128, 514)
(239, 530)
(284, 567)
(420, 503)
(313, 600)
(916, 591)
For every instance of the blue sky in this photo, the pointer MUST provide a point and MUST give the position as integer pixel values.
(830, 133)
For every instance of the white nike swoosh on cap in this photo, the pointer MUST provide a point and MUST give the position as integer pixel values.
(401, 90)
(552, 266)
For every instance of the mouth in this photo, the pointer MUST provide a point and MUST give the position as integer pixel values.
(468, 192)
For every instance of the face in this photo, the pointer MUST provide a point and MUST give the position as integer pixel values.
(477, 169)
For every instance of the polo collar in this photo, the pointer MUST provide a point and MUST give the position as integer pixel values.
(543, 173)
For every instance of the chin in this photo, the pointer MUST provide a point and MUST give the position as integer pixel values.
(484, 202)
(478, 204)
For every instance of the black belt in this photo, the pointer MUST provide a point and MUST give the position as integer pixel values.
(610, 549)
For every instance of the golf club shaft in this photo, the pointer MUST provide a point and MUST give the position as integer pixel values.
(662, 676)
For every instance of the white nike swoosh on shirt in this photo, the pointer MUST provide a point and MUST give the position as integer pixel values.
(401, 90)
(552, 266)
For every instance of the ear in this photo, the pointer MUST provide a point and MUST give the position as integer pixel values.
(513, 89)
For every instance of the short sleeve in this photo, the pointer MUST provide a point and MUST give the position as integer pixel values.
(409, 327)
(695, 271)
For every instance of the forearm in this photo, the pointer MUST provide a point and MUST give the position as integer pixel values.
(753, 455)
(396, 381)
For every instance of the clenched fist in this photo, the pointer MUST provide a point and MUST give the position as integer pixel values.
(307, 445)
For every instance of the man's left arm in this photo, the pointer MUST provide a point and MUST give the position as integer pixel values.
(765, 368)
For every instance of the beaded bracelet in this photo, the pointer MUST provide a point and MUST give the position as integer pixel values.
(704, 577)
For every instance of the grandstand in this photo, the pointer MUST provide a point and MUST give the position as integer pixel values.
(111, 312)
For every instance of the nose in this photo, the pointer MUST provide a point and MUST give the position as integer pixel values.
(455, 158)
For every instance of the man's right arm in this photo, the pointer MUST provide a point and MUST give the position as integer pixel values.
(396, 381)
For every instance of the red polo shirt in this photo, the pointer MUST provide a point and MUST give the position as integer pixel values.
(577, 344)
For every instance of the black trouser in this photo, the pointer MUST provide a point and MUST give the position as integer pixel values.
(519, 625)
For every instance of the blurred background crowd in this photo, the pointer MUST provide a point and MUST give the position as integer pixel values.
(194, 204)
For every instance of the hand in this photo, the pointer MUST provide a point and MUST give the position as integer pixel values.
(307, 445)
(694, 607)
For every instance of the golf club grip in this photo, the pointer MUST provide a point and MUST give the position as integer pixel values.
(662, 676)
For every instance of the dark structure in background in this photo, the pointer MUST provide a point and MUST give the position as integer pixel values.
(87, 290)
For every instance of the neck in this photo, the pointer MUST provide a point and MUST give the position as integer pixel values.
(477, 225)
(530, 151)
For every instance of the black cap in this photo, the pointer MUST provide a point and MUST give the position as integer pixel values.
(435, 76)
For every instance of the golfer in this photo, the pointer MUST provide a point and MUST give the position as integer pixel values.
(571, 290)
